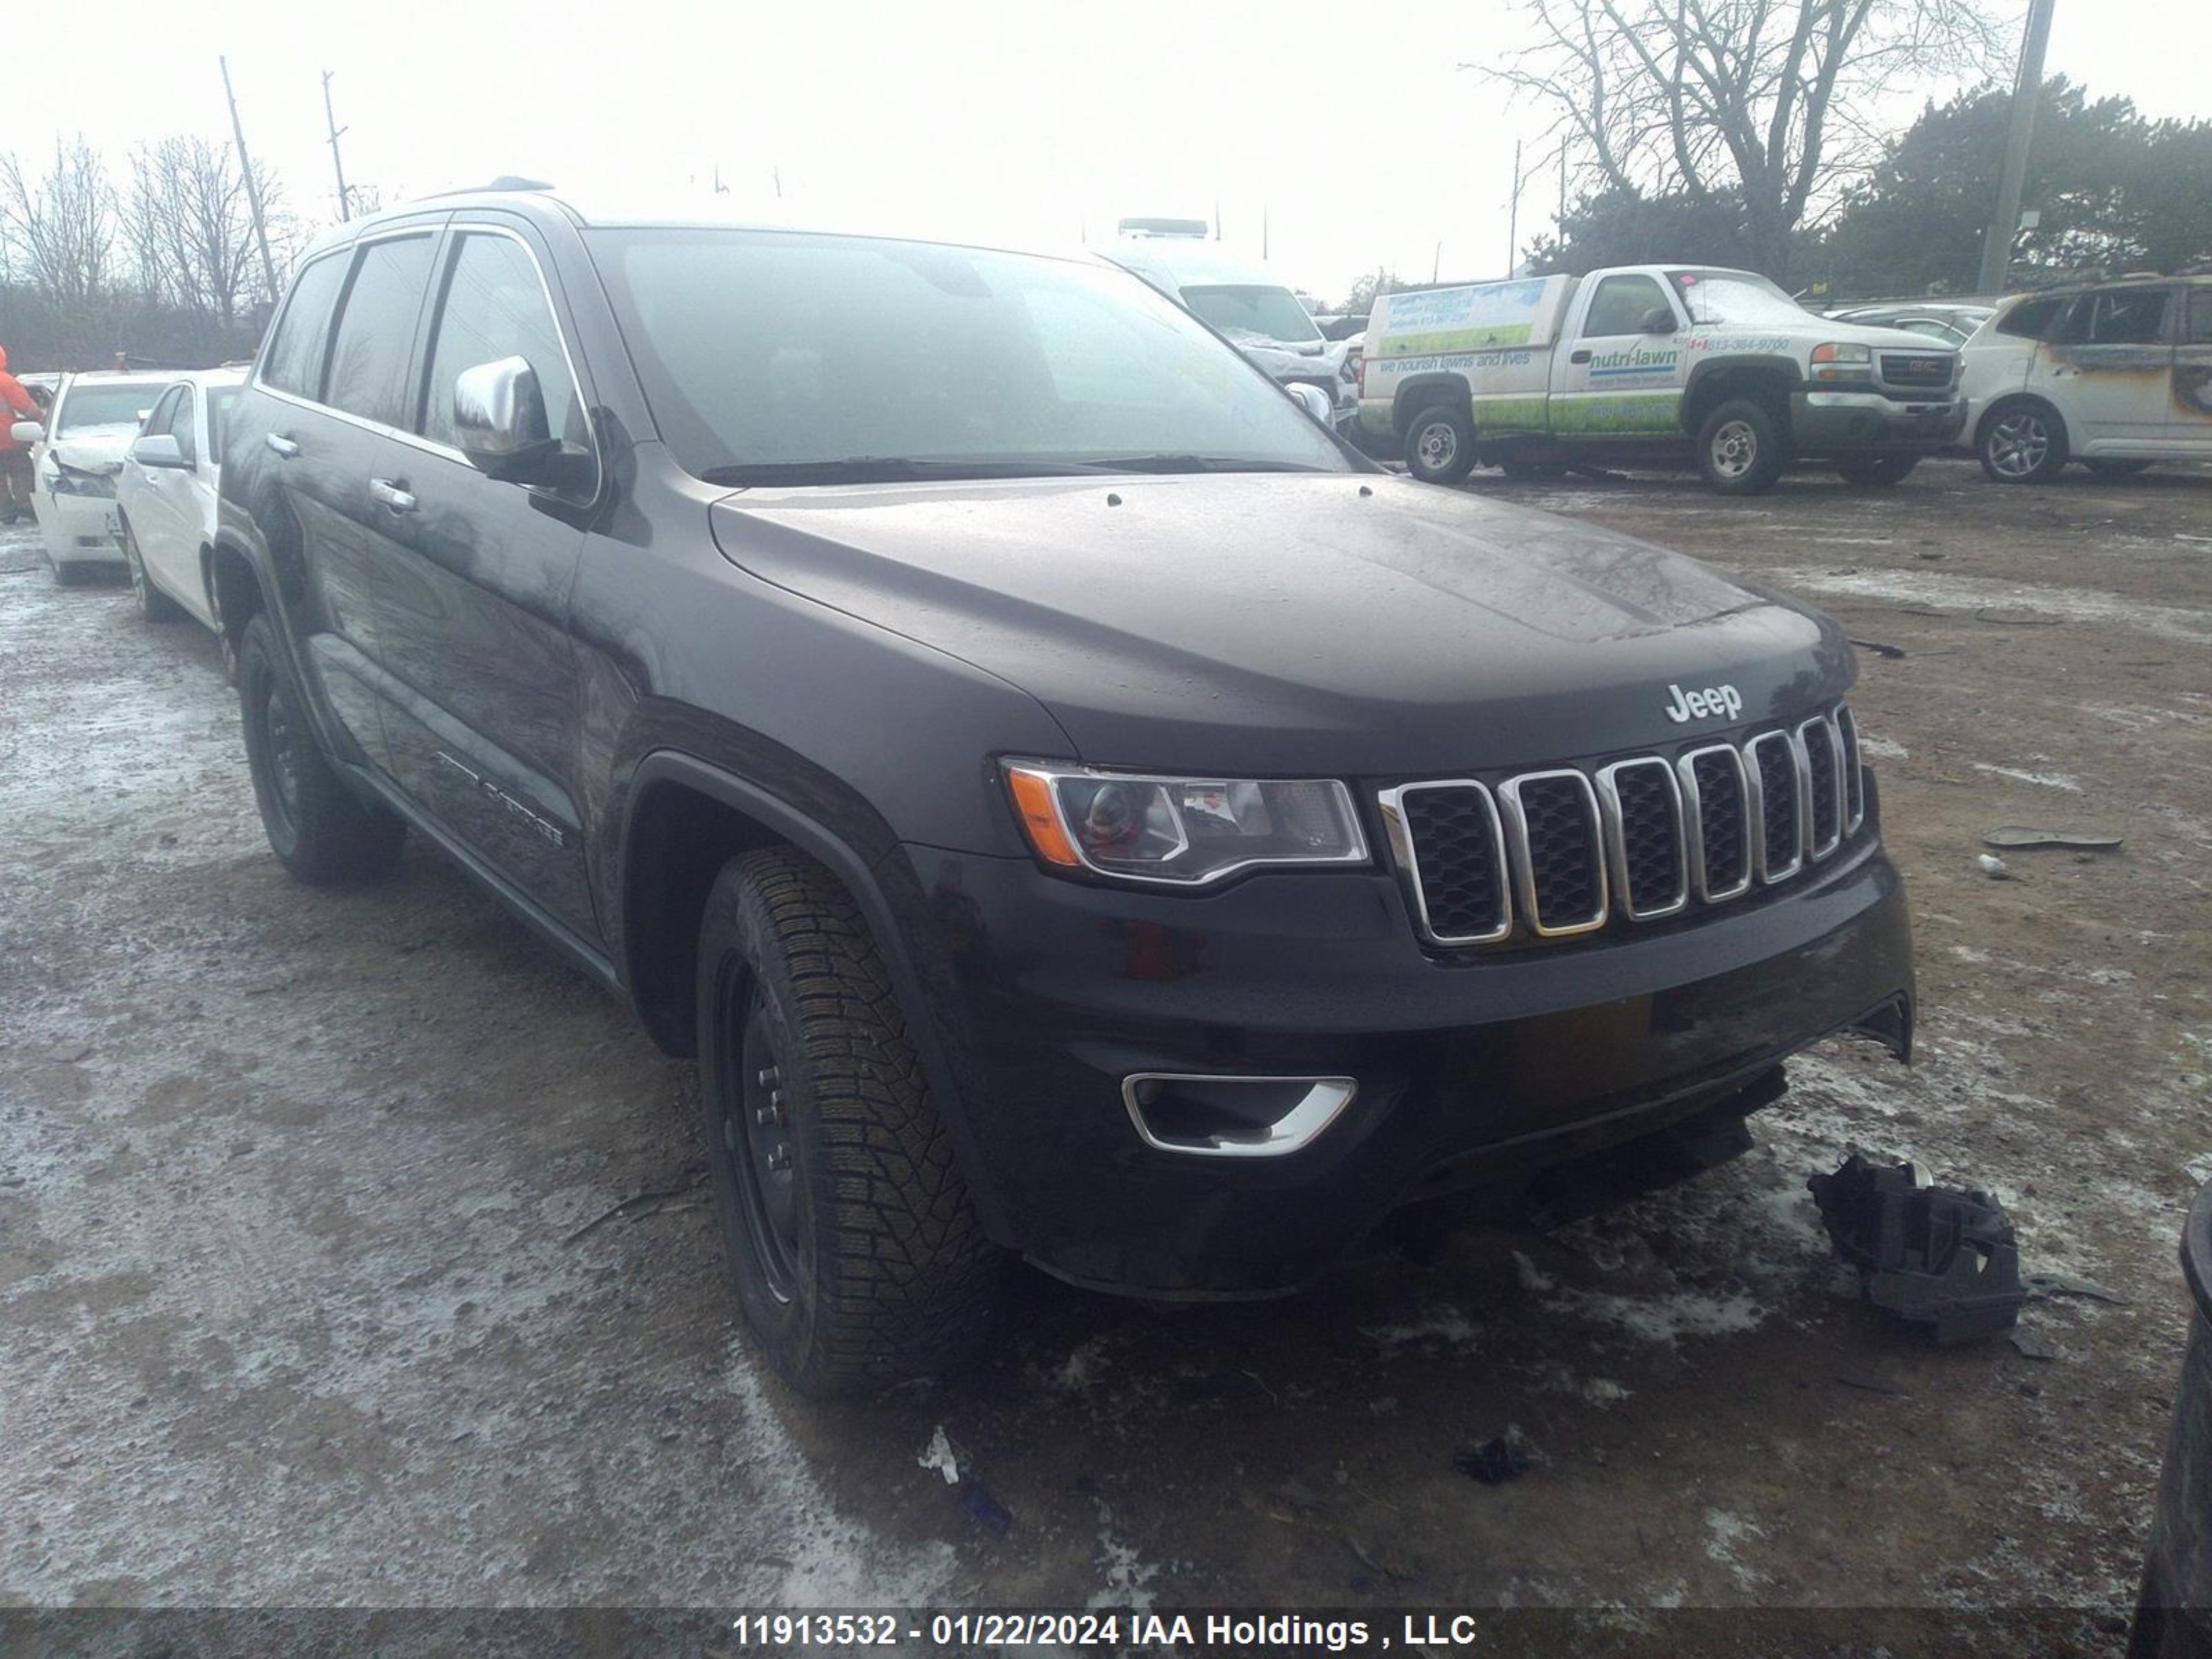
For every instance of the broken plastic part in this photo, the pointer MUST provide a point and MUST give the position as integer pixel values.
(1937, 1257)
(2015, 836)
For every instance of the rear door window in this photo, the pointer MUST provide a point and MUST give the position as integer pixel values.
(2127, 316)
(2200, 316)
(293, 360)
(375, 333)
(496, 307)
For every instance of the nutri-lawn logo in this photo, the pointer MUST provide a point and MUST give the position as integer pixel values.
(1635, 360)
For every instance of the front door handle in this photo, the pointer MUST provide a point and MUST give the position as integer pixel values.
(391, 494)
(1579, 358)
(282, 448)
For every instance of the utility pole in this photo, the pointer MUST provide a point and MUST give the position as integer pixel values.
(1436, 264)
(345, 201)
(252, 184)
(2026, 93)
(1263, 233)
(1513, 213)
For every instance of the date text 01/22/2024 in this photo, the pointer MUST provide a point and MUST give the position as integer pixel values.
(1237, 1633)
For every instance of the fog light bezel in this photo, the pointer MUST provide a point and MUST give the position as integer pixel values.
(1325, 1101)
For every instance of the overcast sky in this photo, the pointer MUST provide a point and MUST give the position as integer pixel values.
(1349, 126)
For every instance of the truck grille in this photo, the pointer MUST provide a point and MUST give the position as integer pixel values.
(1558, 853)
(1921, 371)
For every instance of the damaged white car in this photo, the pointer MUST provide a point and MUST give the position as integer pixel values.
(89, 432)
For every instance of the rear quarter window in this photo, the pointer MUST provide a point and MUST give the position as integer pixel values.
(2033, 320)
(293, 360)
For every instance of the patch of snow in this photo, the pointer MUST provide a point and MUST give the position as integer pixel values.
(937, 1455)
(2065, 780)
(1447, 1327)
(1883, 748)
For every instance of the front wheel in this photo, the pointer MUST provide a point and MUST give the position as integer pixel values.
(1440, 444)
(319, 830)
(853, 1247)
(154, 606)
(1877, 471)
(2023, 442)
(1739, 448)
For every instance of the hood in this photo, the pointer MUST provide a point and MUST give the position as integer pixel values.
(1249, 341)
(1883, 339)
(93, 449)
(1347, 623)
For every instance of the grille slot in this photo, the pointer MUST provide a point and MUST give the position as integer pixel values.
(1552, 824)
(1780, 839)
(1721, 851)
(1929, 370)
(1644, 836)
(1448, 836)
(1847, 729)
(1551, 853)
(1823, 785)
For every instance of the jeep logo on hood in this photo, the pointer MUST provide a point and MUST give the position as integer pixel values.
(1685, 706)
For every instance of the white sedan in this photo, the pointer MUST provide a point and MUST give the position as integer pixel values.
(166, 494)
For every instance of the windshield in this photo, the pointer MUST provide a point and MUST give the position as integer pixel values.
(89, 406)
(762, 352)
(1735, 296)
(1274, 314)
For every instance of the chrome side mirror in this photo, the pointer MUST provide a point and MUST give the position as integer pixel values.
(27, 432)
(158, 449)
(1315, 401)
(498, 420)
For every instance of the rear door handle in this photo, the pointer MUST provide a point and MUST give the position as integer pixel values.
(282, 448)
(1579, 358)
(391, 494)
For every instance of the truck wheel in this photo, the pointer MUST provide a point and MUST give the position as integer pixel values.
(2023, 441)
(319, 830)
(154, 606)
(1440, 444)
(855, 1252)
(1877, 471)
(2112, 471)
(1739, 448)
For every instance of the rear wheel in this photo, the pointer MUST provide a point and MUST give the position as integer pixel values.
(153, 604)
(1877, 471)
(2112, 471)
(1440, 444)
(2023, 442)
(1739, 448)
(319, 830)
(853, 1247)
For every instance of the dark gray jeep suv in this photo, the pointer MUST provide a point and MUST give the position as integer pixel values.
(1071, 805)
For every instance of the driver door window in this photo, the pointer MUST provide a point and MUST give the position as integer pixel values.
(1620, 305)
(495, 306)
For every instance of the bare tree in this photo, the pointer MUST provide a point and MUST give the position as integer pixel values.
(62, 224)
(1770, 103)
(188, 224)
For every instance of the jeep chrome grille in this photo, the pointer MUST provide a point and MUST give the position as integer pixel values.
(1556, 852)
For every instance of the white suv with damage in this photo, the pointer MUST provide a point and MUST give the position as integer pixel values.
(2117, 376)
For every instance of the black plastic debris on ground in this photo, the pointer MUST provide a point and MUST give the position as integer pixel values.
(1495, 1462)
(1937, 1257)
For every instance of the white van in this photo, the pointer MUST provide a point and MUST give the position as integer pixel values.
(2118, 376)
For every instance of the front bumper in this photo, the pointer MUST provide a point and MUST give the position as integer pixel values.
(81, 528)
(1474, 1070)
(1843, 422)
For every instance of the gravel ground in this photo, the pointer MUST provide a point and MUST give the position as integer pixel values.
(316, 1289)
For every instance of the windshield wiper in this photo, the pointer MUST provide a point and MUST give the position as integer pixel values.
(883, 469)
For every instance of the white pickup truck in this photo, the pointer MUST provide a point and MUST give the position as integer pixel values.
(1652, 364)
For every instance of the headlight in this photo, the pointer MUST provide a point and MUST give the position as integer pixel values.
(1182, 832)
(73, 481)
(1839, 361)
